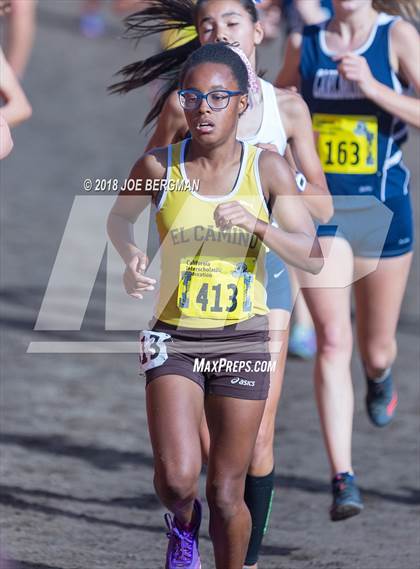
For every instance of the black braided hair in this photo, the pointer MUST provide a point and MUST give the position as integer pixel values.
(218, 53)
(158, 17)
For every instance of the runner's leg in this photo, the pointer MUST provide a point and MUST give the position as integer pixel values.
(378, 299)
(233, 425)
(174, 410)
(302, 342)
(329, 304)
(260, 479)
(330, 309)
(378, 303)
(262, 462)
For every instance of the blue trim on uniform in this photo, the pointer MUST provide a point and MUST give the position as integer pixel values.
(374, 232)
(326, 92)
(279, 293)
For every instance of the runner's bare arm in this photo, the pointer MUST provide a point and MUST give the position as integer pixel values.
(295, 240)
(310, 12)
(21, 34)
(6, 142)
(129, 205)
(298, 124)
(16, 108)
(124, 214)
(289, 75)
(171, 126)
(405, 42)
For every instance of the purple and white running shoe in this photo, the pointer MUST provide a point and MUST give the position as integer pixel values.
(182, 550)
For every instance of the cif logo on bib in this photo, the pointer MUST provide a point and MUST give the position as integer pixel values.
(217, 288)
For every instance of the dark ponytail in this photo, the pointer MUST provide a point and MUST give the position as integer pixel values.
(158, 17)
(165, 66)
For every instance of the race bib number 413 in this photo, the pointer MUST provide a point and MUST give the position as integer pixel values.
(216, 289)
(347, 144)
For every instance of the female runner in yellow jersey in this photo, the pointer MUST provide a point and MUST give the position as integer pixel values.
(211, 302)
(275, 119)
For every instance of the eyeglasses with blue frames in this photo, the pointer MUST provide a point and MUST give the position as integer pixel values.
(217, 100)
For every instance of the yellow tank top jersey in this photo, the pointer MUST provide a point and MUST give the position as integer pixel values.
(209, 278)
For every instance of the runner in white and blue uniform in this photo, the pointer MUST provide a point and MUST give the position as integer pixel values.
(271, 132)
(367, 162)
(348, 71)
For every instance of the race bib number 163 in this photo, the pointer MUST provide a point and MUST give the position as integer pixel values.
(347, 144)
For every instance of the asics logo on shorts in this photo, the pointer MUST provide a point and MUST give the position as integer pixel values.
(244, 382)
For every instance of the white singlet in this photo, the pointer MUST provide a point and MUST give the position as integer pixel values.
(271, 130)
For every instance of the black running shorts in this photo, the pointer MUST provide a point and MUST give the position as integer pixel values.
(233, 361)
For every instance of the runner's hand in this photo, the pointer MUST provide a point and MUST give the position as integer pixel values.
(230, 214)
(355, 68)
(135, 282)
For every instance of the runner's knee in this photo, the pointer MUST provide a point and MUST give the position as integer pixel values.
(379, 355)
(334, 338)
(176, 484)
(262, 457)
(225, 497)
